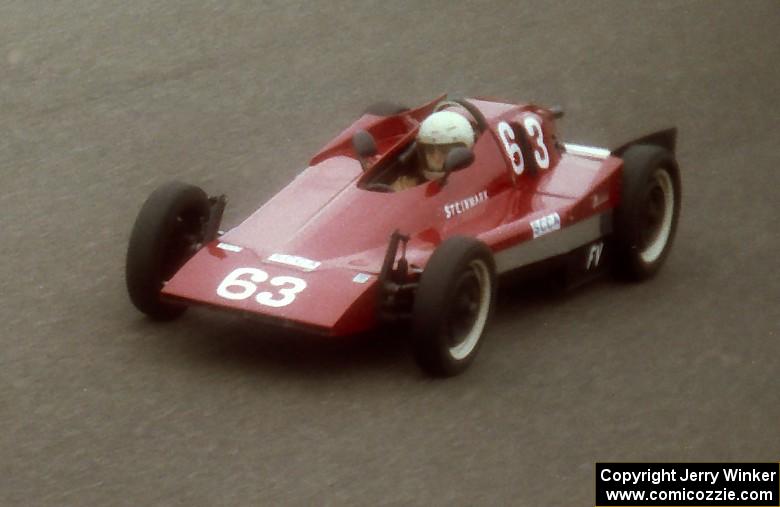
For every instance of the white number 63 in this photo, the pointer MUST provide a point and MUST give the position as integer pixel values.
(236, 288)
(534, 129)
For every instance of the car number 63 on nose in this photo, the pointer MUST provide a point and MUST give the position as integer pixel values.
(242, 283)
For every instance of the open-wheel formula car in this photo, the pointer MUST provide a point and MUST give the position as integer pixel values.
(375, 231)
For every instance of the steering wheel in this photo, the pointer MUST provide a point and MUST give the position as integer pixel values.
(468, 106)
(380, 187)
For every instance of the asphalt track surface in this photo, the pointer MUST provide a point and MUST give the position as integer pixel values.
(102, 101)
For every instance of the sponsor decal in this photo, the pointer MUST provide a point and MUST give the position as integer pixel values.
(361, 278)
(458, 207)
(546, 224)
(294, 260)
(594, 255)
(229, 247)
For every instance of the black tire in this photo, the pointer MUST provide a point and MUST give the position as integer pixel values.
(646, 219)
(453, 305)
(385, 109)
(166, 233)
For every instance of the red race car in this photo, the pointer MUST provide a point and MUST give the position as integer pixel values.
(411, 215)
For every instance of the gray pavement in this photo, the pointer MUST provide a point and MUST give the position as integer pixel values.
(100, 101)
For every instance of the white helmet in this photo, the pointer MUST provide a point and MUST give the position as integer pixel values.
(439, 133)
(446, 127)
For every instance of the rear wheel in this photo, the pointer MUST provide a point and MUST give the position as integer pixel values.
(453, 305)
(167, 232)
(646, 219)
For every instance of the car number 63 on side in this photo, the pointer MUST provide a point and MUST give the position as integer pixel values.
(533, 129)
(242, 283)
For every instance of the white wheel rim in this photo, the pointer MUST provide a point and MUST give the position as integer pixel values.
(653, 251)
(463, 349)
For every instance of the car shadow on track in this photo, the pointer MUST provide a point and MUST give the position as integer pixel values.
(248, 344)
(544, 289)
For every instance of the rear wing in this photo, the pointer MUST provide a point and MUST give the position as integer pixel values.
(666, 138)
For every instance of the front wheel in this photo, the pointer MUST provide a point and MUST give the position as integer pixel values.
(452, 306)
(167, 232)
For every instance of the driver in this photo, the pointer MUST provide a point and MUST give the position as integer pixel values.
(439, 133)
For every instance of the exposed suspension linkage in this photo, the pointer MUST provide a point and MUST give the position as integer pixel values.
(396, 289)
(211, 227)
